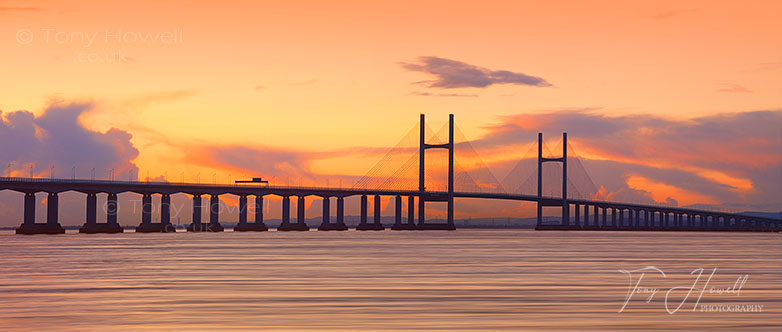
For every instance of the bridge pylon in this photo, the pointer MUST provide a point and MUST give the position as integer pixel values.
(543, 202)
(423, 196)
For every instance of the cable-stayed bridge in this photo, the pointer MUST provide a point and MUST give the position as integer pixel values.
(425, 166)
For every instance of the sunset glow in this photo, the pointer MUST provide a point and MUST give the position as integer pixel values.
(211, 93)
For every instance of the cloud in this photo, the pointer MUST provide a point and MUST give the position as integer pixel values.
(766, 66)
(20, 9)
(419, 93)
(725, 158)
(57, 138)
(670, 13)
(456, 74)
(305, 82)
(266, 162)
(730, 87)
(146, 100)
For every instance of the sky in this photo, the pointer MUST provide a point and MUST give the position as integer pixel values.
(666, 102)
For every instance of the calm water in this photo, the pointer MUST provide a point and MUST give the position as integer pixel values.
(463, 280)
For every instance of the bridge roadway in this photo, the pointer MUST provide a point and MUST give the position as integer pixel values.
(587, 214)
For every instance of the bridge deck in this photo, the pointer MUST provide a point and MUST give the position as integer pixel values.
(33, 185)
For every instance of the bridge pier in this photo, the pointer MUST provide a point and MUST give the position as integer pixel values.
(243, 209)
(111, 209)
(147, 226)
(91, 226)
(375, 225)
(165, 214)
(300, 224)
(214, 214)
(613, 217)
(244, 225)
(29, 226)
(363, 212)
(196, 225)
(410, 224)
(341, 212)
(586, 216)
(286, 210)
(577, 215)
(622, 217)
(327, 225)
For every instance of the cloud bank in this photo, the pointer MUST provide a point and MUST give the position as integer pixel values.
(727, 159)
(57, 138)
(452, 74)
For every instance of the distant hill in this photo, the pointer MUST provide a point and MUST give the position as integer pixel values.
(773, 215)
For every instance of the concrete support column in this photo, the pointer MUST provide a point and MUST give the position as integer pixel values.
(605, 217)
(577, 215)
(421, 211)
(450, 173)
(622, 217)
(637, 218)
(286, 210)
(326, 210)
(92, 209)
(326, 224)
(398, 210)
(111, 209)
(197, 210)
(52, 209)
(29, 209)
(214, 209)
(613, 217)
(300, 210)
(411, 210)
(243, 209)
(647, 221)
(146, 209)
(340, 210)
(421, 174)
(258, 209)
(665, 219)
(586, 215)
(363, 220)
(165, 209)
(540, 180)
(377, 209)
(597, 215)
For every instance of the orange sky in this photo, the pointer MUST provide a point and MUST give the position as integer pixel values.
(328, 76)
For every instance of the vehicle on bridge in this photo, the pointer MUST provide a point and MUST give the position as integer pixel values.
(254, 180)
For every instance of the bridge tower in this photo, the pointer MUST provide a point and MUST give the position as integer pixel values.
(541, 201)
(423, 196)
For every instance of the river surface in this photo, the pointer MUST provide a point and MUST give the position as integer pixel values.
(464, 280)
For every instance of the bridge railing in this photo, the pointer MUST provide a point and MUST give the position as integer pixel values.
(192, 184)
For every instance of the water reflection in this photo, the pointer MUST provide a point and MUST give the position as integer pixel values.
(467, 280)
